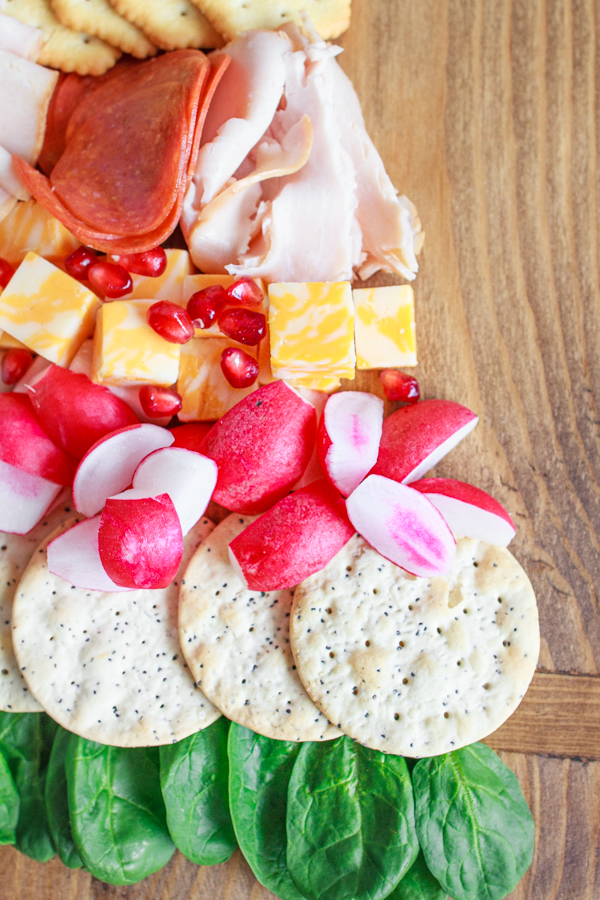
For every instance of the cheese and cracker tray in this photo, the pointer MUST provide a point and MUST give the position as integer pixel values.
(237, 608)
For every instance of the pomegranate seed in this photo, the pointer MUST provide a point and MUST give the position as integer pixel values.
(150, 263)
(79, 262)
(204, 305)
(111, 280)
(14, 365)
(159, 401)
(172, 322)
(243, 325)
(398, 386)
(246, 291)
(239, 369)
(6, 272)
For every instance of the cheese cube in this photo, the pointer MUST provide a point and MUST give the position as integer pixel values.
(10, 343)
(195, 283)
(312, 330)
(205, 392)
(326, 385)
(385, 327)
(169, 285)
(46, 309)
(127, 350)
(31, 228)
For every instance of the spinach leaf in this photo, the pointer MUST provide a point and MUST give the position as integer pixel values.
(57, 804)
(418, 884)
(9, 805)
(259, 774)
(26, 742)
(194, 777)
(474, 826)
(117, 811)
(350, 822)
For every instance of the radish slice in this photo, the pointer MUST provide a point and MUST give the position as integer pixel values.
(186, 476)
(349, 436)
(24, 499)
(108, 467)
(313, 471)
(402, 525)
(24, 443)
(140, 541)
(415, 438)
(74, 556)
(469, 511)
(35, 370)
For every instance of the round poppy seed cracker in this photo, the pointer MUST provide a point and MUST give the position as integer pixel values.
(98, 18)
(15, 552)
(237, 645)
(170, 24)
(108, 666)
(416, 666)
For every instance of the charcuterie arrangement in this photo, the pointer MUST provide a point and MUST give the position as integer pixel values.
(308, 672)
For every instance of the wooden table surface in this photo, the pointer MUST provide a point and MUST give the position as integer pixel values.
(486, 113)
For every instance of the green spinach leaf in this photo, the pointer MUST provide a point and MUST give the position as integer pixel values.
(259, 775)
(350, 822)
(26, 742)
(474, 826)
(117, 811)
(418, 884)
(194, 777)
(9, 804)
(57, 804)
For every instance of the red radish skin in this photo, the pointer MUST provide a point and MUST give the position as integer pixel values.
(348, 438)
(24, 499)
(191, 435)
(75, 412)
(293, 540)
(74, 556)
(25, 444)
(108, 466)
(140, 542)
(468, 510)
(188, 478)
(402, 525)
(261, 446)
(313, 471)
(415, 438)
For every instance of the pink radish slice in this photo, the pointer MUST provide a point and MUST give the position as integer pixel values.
(24, 499)
(469, 511)
(186, 476)
(24, 443)
(313, 471)
(294, 539)
(74, 556)
(108, 467)
(140, 541)
(35, 370)
(402, 525)
(348, 438)
(75, 412)
(261, 446)
(415, 438)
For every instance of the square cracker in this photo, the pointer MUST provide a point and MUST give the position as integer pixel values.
(98, 18)
(63, 48)
(170, 24)
(232, 17)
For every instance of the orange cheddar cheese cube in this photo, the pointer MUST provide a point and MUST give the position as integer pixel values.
(169, 285)
(312, 331)
(47, 310)
(31, 228)
(205, 392)
(385, 327)
(127, 351)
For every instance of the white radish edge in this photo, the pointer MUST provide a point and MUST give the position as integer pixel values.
(108, 467)
(367, 507)
(24, 499)
(469, 520)
(442, 450)
(347, 466)
(159, 472)
(74, 557)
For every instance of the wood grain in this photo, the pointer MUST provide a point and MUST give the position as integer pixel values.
(487, 114)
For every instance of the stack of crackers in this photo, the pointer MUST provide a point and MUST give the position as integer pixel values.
(88, 36)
